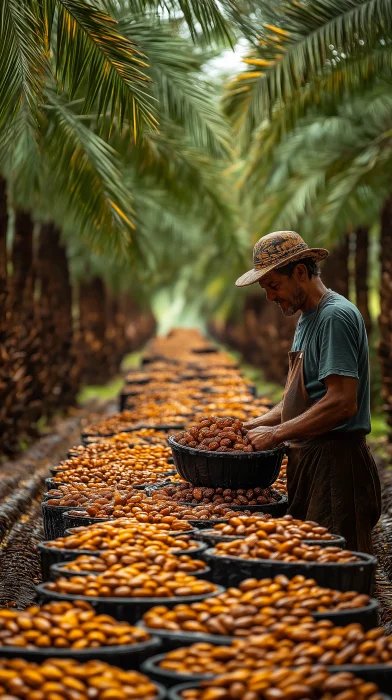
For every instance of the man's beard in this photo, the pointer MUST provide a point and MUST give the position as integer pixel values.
(298, 299)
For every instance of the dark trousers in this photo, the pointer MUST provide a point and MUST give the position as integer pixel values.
(333, 480)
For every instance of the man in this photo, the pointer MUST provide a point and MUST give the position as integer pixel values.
(324, 414)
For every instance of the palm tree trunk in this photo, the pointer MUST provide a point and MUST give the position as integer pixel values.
(93, 349)
(7, 433)
(335, 271)
(55, 306)
(26, 343)
(3, 255)
(361, 275)
(385, 318)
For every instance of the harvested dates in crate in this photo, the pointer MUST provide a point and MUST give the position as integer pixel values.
(284, 547)
(119, 533)
(187, 493)
(272, 650)
(99, 454)
(306, 683)
(155, 510)
(117, 559)
(129, 582)
(256, 607)
(241, 526)
(94, 679)
(213, 433)
(65, 625)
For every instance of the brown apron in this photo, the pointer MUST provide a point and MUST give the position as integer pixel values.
(331, 478)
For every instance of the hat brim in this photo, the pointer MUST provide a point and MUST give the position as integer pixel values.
(253, 276)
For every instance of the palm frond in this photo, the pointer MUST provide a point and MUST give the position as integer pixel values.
(195, 180)
(343, 184)
(22, 66)
(319, 45)
(91, 52)
(83, 171)
(177, 84)
(200, 16)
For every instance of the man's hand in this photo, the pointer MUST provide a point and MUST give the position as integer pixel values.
(264, 438)
(251, 424)
(272, 417)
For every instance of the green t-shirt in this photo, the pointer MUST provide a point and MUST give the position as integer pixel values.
(337, 345)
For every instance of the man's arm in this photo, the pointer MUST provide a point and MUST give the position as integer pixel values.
(273, 417)
(336, 407)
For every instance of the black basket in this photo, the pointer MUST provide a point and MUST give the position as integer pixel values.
(202, 524)
(277, 509)
(195, 553)
(381, 674)
(128, 609)
(71, 521)
(53, 520)
(367, 616)
(354, 576)
(57, 571)
(56, 470)
(173, 640)
(175, 693)
(51, 484)
(172, 533)
(229, 470)
(55, 555)
(168, 679)
(125, 656)
(212, 538)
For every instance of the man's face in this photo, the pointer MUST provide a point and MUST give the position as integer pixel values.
(285, 291)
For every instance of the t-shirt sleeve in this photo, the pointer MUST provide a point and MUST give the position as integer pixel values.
(339, 344)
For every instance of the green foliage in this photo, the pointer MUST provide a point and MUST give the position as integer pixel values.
(126, 144)
(344, 185)
(308, 53)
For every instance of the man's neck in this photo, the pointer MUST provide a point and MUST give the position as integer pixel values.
(316, 290)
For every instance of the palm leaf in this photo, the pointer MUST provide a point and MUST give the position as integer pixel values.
(22, 65)
(84, 171)
(177, 84)
(343, 185)
(92, 54)
(202, 17)
(187, 174)
(297, 60)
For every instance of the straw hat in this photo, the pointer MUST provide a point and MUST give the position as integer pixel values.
(276, 250)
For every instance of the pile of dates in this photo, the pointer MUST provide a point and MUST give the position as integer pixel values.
(284, 684)
(57, 679)
(151, 510)
(278, 606)
(288, 549)
(65, 625)
(118, 559)
(129, 582)
(287, 526)
(187, 493)
(118, 533)
(217, 435)
(269, 650)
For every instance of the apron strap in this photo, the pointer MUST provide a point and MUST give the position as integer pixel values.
(319, 306)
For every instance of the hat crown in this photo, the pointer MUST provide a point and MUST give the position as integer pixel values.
(276, 246)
